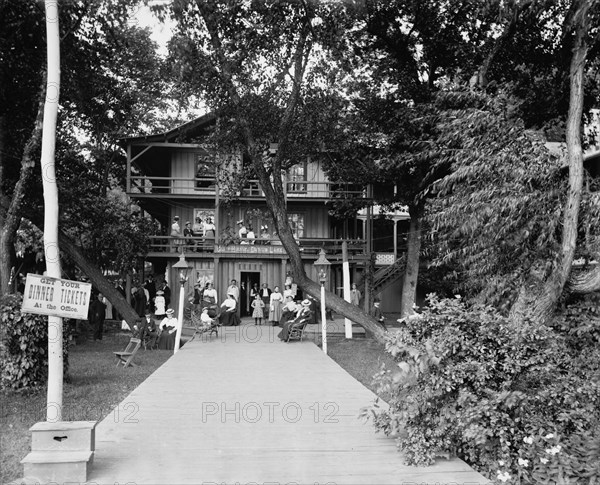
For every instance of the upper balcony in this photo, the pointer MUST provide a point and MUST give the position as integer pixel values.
(141, 186)
(265, 248)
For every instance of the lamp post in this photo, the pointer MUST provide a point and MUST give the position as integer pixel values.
(182, 268)
(322, 265)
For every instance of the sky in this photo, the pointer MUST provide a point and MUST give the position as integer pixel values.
(161, 32)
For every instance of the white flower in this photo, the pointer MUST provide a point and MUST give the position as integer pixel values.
(503, 477)
(544, 460)
(549, 436)
(501, 463)
(554, 450)
(528, 440)
(523, 462)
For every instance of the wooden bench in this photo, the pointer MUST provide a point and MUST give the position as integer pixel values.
(125, 357)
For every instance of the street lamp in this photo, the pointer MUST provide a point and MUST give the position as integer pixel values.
(182, 268)
(322, 265)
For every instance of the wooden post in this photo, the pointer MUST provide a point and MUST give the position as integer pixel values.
(346, 280)
(323, 319)
(179, 318)
(51, 248)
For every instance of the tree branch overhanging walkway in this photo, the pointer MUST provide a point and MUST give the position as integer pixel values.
(245, 407)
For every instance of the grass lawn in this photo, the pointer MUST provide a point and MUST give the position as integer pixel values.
(95, 387)
(361, 358)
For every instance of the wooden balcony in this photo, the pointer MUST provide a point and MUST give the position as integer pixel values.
(205, 248)
(167, 187)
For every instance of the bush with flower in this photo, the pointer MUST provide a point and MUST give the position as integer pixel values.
(517, 402)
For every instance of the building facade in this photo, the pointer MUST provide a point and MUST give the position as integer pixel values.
(172, 175)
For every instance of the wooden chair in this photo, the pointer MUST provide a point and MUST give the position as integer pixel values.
(296, 330)
(125, 357)
(214, 327)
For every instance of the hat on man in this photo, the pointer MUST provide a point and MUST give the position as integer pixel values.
(241, 221)
(176, 217)
(306, 302)
(187, 222)
(170, 311)
(160, 292)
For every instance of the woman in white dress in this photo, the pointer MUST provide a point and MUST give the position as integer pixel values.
(275, 306)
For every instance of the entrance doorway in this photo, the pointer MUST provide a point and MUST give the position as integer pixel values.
(247, 280)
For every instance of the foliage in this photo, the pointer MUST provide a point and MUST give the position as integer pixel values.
(24, 341)
(496, 210)
(470, 382)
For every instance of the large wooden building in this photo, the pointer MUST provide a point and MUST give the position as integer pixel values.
(171, 174)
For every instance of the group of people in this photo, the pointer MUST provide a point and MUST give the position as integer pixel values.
(267, 304)
(193, 236)
(246, 234)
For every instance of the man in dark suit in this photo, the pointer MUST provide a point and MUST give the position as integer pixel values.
(149, 330)
(97, 313)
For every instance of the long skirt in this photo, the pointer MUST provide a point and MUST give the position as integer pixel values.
(275, 311)
(166, 341)
(266, 300)
(229, 319)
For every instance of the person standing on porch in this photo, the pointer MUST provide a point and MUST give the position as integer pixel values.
(265, 295)
(234, 289)
(258, 309)
(276, 301)
(159, 305)
(355, 295)
(176, 234)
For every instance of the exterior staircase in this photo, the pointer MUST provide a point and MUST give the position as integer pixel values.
(385, 276)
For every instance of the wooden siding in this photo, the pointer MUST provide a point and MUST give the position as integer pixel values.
(272, 272)
(183, 166)
(199, 268)
(316, 218)
(316, 185)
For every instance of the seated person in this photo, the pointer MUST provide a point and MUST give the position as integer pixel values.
(205, 320)
(148, 330)
(302, 319)
(289, 310)
(168, 329)
(228, 311)
(377, 314)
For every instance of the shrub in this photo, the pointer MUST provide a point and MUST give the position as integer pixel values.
(470, 382)
(24, 353)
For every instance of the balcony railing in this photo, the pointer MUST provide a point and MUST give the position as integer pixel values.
(207, 186)
(261, 246)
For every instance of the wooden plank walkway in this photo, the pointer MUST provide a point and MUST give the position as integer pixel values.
(245, 407)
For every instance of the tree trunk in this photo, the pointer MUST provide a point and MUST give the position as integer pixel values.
(539, 296)
(411, 274)
(582, 282)
(11, 218)
(277, 206)
(98, 280)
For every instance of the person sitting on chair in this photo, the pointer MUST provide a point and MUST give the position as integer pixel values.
(301, 320)
(205, 320)
(228, 311)
(148, 330)
(168, 329)
(289, 310)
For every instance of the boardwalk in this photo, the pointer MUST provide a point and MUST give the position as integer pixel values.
(246, 408)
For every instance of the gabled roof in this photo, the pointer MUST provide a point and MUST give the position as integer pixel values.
(183, 132)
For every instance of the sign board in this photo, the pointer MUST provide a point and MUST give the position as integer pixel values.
(53, 296)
